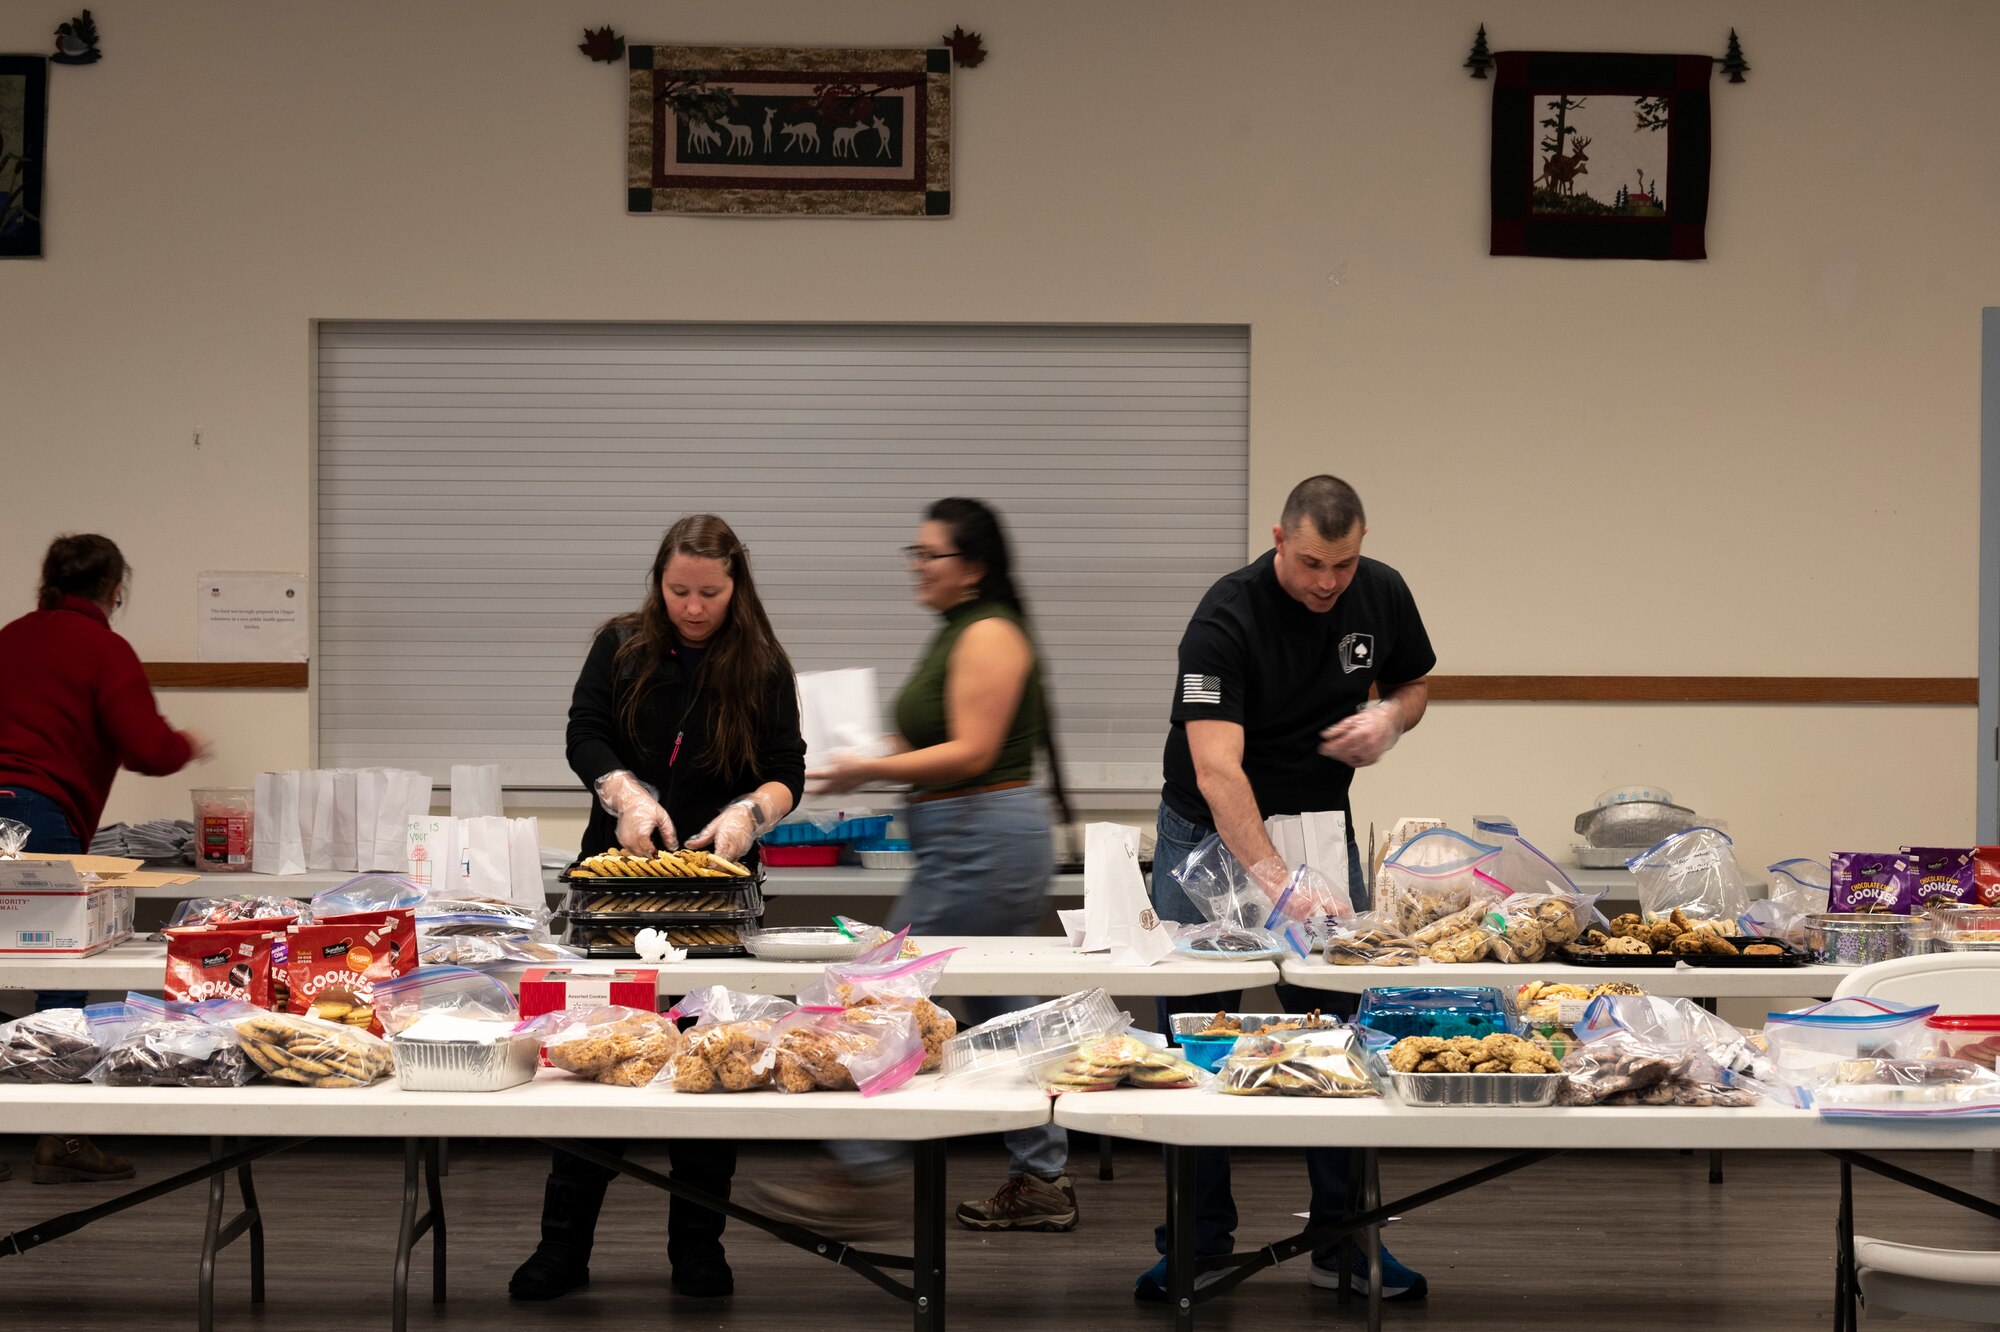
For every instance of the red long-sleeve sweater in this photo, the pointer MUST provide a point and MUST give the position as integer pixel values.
(75, 704)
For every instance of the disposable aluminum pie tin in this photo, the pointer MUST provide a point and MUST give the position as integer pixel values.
(466, 1066)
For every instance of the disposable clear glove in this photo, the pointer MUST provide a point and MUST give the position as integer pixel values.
(640, 818)
(729, 834)
(1366, 736)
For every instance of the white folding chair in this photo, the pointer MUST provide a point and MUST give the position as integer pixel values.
(1893, 1279)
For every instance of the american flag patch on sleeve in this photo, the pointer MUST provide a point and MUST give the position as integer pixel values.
(1201, 689)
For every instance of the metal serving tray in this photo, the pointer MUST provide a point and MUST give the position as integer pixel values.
(661, 908)
(1487, 1089)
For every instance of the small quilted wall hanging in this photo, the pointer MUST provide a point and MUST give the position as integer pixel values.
(860, 132)
(24, 101)
(1600, 156)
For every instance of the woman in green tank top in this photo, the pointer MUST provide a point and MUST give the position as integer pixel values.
(970, 720)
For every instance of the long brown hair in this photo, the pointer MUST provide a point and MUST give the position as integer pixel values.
(742, 658)
(81, 565)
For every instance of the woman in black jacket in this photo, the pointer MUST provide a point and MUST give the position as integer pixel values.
(685, 716)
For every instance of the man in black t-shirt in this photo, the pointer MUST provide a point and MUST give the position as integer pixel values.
(1271, 715)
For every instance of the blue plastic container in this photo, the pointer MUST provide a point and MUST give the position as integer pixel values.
(811, 834)
(1399, 1011)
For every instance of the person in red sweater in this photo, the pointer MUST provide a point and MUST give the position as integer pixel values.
(75, 706)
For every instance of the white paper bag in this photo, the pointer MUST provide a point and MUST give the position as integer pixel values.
(1118, 916)
(840, 712)
(1317, 838)
(385, 800)
(433, 863)
(345, 849)
(524, 862)
(276, 846)
(489, 871)
(316, 817)
(475, 791)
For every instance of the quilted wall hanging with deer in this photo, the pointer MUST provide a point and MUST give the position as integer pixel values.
(1600, 156)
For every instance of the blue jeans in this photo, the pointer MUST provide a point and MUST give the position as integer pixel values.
(48, 830)
(983, 867)
(1326, 1167)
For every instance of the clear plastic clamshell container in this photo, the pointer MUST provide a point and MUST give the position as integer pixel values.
(804, 943)
(1208, 1052)
(1013, 1043)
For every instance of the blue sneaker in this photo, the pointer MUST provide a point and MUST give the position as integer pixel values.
(1151, 1287)
(1399, 1283)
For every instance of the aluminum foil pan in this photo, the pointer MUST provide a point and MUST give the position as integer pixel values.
(1633, 823)
(1857, 938)
(466, 1066)
(804, 943)
(1488, 1089)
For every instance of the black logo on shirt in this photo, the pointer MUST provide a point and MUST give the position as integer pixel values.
(1357, 652)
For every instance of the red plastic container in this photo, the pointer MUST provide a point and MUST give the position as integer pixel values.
(1975, 1037)
(776, 856)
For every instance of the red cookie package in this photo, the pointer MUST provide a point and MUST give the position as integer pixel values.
(333, 966)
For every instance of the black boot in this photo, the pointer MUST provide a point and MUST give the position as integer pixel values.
(561, 1262)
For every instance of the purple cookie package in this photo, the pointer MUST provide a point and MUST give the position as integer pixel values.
(1944, 876)
(1873, 881)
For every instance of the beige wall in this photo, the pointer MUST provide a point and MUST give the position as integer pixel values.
(1765, 463)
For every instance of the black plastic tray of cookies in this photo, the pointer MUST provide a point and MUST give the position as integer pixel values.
(577, 878)
(620, 906)
(1791, 956)
(590, 939)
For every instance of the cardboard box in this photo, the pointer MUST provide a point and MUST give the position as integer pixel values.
(552, 989)
(47, 909)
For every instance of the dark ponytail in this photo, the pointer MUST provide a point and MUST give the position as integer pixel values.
(976, 532)
(84, 565)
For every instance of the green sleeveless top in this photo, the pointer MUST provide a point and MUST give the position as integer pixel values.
(920, 709)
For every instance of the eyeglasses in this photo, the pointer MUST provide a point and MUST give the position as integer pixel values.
(918, 555)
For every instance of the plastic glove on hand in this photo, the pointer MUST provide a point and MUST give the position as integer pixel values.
(1365, 737)
(729, 834)
(640, 816)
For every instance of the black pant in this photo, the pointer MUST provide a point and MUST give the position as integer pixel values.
(576, 1190)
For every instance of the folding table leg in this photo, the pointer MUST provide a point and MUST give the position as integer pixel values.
(420, 1157)
(1845, 1314)
(1104, 1156)
(1180, 1236)
(928, 1272)
(1351, 1205)
(247, 1186)
(217, 1234)
(1371, 1236)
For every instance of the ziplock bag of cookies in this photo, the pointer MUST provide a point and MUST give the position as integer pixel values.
(366, 893)
(731, 1046)
(1296, 1063)
(908, 984)
(169, 1044)
(54, 1045)
(882, 945)
(1693, 872)
(1096, 1064)
(625, 1047)
(1371, 939)
(292, 1047)
(1430, 877)
(871, 1050)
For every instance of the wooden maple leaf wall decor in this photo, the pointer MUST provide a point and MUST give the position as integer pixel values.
(602, 44)
(966, 50)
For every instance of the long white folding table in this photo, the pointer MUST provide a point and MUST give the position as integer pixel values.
(1184, 1122)
(561, 1110)
(1032, 965)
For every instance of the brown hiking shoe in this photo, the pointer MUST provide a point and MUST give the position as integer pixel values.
(76, 1161)
(1026, 1203)
(833, 1202)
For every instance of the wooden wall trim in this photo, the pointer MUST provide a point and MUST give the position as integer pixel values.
(1705, 689)
(227, 674)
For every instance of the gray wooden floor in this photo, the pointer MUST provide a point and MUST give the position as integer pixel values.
(1590, 1241)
